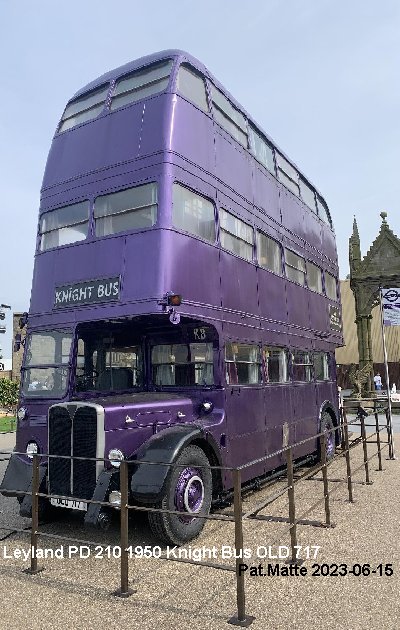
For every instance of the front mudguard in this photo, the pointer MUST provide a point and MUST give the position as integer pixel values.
(148, 480)
(108, 480)
(18, 478)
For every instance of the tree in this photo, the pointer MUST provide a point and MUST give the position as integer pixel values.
(8, 393)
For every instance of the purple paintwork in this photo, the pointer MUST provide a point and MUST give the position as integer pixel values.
(164, 138)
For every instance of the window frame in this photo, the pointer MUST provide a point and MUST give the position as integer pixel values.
(206, 198)
(192, 70)
(45, 214)
(235, 363)
(259, 234)
(154, 183)
(290, 266)
(308, 366)
(253, 132)
(292, 177)
(103, 88)
(265, 371)
(329, 275)
(215, 106)
(312, 264)
(158, 64)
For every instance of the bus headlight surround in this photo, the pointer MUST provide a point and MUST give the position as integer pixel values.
(31, 449)
(22, 413)
(116, 457)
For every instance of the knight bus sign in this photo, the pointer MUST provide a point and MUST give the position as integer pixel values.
(180, 312)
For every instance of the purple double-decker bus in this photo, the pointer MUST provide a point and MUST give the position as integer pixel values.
(184, 304)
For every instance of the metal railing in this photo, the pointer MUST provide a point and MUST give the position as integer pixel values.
(238, 517)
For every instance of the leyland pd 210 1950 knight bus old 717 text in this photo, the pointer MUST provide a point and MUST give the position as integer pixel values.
(184, 302)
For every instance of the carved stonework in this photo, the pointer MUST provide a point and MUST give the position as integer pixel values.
(380, 268)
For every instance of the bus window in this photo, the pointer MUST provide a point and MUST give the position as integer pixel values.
(64, 225)
(323, 211)
(275, 362)
(191, 85)
(261, 150)
(295, 267)
(308, 195)
(301, 366)
(321, 366)
(228, 117)
(314, 277)
(83, 109)
(330, 286)
(269, 253)
(243, 364)
(236, 236)
(46, 368)
(182, 364)
(193, 213)
(131, 209)
(141, 84)
(287, 174)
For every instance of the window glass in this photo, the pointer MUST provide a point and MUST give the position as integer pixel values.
(191, 85)
(262, 151)
(321, 366)
(287, 174)
(301, 366)
(243, 364)
(330, 286)
(182, 364)
(269, 253)
(228, 117)
(64, 225)
(236, 235)
(83, 108)
(295, 267)
(141, 84)
(314, 277)
(323, 211)
(193, 213)
(130, 209)
(308, 195)
(46, 349)
(275, 362)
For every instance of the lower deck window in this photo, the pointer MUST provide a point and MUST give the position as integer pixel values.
(301, 366)
(243, 364)
(275, 365)
(321, 366)
(182, 364)
(103, 365)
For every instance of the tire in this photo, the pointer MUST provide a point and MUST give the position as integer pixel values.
(187, 486)
(328, 427)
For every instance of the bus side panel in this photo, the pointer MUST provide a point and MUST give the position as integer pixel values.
(328, 244)
(305, 413)
(238, 284)
(297, 306)
(193, 137)
(278, 411)
(233, 164)
(143, 277)
(266, 193)
(272, 298)
(318, 310)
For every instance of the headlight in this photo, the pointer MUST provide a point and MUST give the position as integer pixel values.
(31, 449)
(115, 498)
(116, 456)
(22, 413)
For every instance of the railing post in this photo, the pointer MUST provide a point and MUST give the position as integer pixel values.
(365, 450)
(124, 590)
(241, 619)
(325, 480)
(292, 507)
(389, 430)
(347, 455)
(378, 441)
(35, 516)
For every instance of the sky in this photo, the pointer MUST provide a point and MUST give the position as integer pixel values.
(320, 77)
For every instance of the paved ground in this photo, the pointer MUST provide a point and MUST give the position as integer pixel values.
(76, 593)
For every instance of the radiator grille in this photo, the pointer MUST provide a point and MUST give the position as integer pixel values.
(72, 431)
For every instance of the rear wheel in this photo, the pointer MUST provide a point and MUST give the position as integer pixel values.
(328, 428)
(188, 490)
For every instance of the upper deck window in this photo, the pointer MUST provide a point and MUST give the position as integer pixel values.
(262, 151)
(193, 213)
(269, 253)
(131, 209)
(228, 117)
(64, 225)
(308, 195)
(323, 211)
(236, 235)
(295, 267)
(83, 109)
(287, 174)
(140, 84)
(191, 85)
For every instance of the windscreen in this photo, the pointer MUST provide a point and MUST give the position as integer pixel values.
(46, 367)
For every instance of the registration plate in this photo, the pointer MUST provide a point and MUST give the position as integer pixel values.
(71, 504)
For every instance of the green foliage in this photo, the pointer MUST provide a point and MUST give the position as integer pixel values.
(8, 393)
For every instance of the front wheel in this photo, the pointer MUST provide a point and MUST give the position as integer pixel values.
(188, 490)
